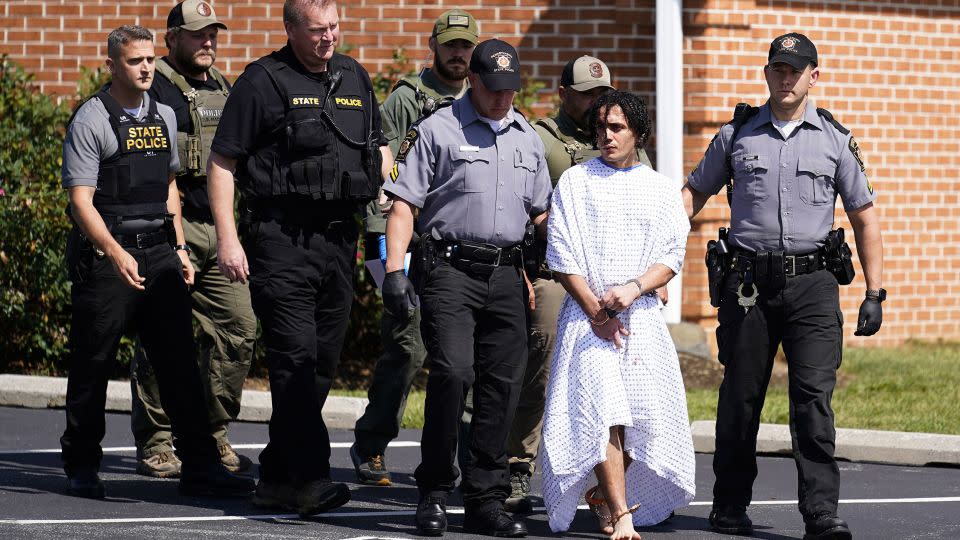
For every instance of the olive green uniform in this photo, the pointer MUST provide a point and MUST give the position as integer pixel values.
(566, 145)
(403, 349)
(227, 326)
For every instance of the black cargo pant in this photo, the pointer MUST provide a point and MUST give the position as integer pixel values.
(104, 307)
(301, 285)
(805, 317)
(475, 331)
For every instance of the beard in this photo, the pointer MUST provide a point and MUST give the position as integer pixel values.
(455, 72)
(196, 63)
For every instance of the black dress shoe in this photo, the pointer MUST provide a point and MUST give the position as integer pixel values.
(826, 526)
(214, 481)
(86, 484)
(495, 522)
(431, 516)
(730, 520)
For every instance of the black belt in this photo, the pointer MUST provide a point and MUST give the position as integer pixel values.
(793, 265)
(142, 240)
(477, 257)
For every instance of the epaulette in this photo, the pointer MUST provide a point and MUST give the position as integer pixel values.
(828, 116)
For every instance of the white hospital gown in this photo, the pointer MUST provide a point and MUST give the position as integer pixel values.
(608, 226)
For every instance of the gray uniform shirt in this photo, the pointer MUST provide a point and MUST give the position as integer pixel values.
(469, 182)
(91, 139)
(784, 191)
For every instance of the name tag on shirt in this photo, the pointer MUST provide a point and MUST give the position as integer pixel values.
(468, 148)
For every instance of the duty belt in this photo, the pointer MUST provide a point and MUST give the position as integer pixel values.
(477, 257)
(142, 240)
(793, 265)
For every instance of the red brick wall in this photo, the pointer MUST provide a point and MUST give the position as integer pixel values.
(888, 68)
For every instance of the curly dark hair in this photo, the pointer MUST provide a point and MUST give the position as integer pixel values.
(634, 109)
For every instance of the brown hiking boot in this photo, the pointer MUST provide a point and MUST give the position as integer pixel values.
(232, 461)
(162, 465)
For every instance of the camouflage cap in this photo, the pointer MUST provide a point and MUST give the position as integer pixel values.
(455, 24)
(193, 15)
(585, 73)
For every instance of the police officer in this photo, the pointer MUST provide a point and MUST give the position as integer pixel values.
(567, 142)
(129, 270)
(452, 41)
(196, 91)
(477, 173)
(301, 134)
(788, 161)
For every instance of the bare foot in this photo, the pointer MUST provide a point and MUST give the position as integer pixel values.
(623, 529)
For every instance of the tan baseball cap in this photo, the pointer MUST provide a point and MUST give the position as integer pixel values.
(585, 73)
(456, 24)
(193, 15)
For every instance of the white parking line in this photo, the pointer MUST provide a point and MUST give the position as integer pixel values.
(125, 449)
(394, 513)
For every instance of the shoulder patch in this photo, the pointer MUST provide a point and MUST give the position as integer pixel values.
(406, 145)
(858, 155)
(855, 150)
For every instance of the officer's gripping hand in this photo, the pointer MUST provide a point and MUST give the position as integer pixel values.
(870, 318)
(399, 297)
(233, 261)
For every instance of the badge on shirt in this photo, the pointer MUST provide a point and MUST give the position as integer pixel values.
(855, 150)
(406, 145)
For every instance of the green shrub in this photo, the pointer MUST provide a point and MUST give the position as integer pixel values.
(34, 292)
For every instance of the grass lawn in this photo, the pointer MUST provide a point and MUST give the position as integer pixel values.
(915, 387)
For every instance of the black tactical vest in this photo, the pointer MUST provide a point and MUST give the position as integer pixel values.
(135, 180)
(325, 147)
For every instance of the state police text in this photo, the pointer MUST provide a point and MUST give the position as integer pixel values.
(146, 138)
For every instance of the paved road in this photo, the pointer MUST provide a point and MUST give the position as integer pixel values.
(879, 501)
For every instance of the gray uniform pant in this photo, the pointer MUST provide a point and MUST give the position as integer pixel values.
(524, 439)
(225, 349)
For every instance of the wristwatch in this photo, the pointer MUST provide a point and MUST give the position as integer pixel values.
(182, 247)
(878, 295)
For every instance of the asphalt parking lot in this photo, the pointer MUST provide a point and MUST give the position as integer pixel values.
(879, 501)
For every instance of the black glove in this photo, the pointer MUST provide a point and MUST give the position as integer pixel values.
(871, 316)
(399, 297)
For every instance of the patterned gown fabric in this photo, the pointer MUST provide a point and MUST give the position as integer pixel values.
(611, 225)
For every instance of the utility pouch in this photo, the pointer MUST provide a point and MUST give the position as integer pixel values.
(839, 258)
(776, 275)
(761, 269)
